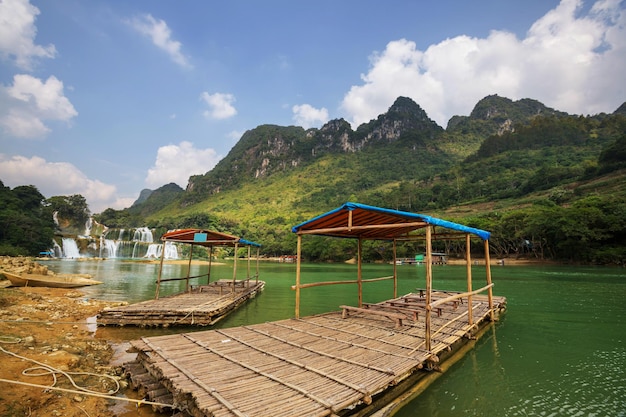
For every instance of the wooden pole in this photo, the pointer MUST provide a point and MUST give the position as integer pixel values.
(395, 272)
(490, 291)
(360, 271)
(429, 286)
(468, 266)
(208, 276)
(248, 271)
(188, 269)
(235, 266)
(258, 251)
(298, 276)
(158, 286)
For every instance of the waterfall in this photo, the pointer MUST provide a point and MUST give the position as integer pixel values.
(143, 234)
(111, 246)
(155, 251)
(88, 225)
(58, 251)
(70, 248)
(171, 251)
(122, 243)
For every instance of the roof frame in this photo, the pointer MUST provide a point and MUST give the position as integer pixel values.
(354, 220)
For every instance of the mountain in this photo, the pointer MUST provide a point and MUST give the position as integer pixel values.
(506, 159)
(143, 196)
(402, 136)
(496, 115)
(152, 200)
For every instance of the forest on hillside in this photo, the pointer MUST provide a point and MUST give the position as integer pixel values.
(550, 187)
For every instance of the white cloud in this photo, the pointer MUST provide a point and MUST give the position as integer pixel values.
(161, 36)
(220, 105)
(58, 178)
(568, 61)
(308, 116)
(235, 135)
(176, 163)
(18, 32)
(29, 102)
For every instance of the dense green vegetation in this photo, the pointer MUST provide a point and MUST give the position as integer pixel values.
(26, 223)
(546, 184)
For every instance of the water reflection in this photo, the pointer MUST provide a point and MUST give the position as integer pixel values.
(560, 349)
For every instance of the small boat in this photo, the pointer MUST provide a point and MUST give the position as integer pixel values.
(56, 281)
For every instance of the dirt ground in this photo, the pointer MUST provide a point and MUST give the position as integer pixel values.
(56, 327)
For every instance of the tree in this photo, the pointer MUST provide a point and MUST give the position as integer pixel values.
(26, 224)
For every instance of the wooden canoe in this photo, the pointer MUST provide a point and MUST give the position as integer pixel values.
(57, 281)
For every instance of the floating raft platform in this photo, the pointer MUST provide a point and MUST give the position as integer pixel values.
(357, 361)
(203, 305)
(342, 363)
(198, 305)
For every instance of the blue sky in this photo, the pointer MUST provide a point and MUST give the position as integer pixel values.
(106, 98)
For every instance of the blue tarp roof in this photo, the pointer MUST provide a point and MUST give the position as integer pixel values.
(372, 222)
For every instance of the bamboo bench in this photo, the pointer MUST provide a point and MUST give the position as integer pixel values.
(408, 312)
(396, 317)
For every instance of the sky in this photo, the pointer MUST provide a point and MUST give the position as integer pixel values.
(105, 98)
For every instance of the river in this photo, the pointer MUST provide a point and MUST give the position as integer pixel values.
(559, 350)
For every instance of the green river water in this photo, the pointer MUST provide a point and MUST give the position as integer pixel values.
(559, 350)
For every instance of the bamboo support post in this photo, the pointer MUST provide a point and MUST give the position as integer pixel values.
(429, 286)
(468, 266)
(158, 286)
(235, 267)
(395, 271)
(488, 270)
(248, 270)
(360, 270)
(258, 251)
(299, 249)
(188, 267)
(208, 277)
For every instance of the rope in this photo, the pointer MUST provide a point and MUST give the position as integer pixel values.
(108, 397)
(49, 370)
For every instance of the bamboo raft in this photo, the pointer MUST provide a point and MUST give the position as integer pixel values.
(204, 305)
(201, 304)
(332, 364)
(357, 361)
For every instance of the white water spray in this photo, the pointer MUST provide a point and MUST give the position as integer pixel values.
(70, 248)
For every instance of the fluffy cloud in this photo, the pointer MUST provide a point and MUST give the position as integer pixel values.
(17, 34)
(308, 116)
(176, 163)
(220, 105)
(161, 36)
(58, 178)
(566, 60)
(29, 102)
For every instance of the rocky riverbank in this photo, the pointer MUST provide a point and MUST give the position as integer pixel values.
(55, 327)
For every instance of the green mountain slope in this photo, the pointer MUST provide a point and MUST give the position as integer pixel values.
(505, 156)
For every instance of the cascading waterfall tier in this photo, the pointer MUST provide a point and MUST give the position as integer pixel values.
(127, 244)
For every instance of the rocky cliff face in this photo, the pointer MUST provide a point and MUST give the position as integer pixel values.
(498, 115)
(268, 149)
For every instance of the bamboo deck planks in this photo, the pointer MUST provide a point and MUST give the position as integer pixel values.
(316, 366)
(202, 306)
